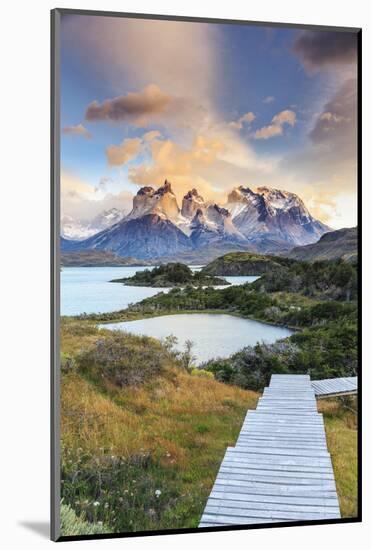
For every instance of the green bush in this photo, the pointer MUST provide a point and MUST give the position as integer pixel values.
(72, 525)
(202, 372)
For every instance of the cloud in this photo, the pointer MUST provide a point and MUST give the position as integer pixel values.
(117, 155)
(181, 165)
(276, 128)
(247, 118)
(285, 117)
(180, 57)
(325, 49)
(102, 184)
(335, 127)
(213, 163)
(80, 199)
(150, 136)
(137, 107)
(268, 99)
(77, 130)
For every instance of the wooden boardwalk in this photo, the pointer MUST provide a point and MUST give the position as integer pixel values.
(280, 469)
(335, 387)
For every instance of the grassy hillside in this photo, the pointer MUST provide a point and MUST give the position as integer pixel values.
(143, 435)
(244, 263)
(140, 452)
(340, 417)
(334, 245)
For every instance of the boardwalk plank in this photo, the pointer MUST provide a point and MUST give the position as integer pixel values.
(280, 468)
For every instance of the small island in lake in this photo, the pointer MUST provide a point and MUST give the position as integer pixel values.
(244, 264)
(171, 275)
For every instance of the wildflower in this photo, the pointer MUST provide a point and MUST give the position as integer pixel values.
(106, 505)
(157, 493)
(96, 503)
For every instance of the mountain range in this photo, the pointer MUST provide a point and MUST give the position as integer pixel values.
(81, 229)
(266, 220)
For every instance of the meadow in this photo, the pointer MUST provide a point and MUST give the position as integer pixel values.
(143, 433)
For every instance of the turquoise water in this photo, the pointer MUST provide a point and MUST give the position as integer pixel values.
(88, 290)
(213, 335)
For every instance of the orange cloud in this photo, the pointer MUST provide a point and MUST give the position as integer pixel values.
(77, 130)
(118, 155)
(276, 128)
(134, 107)
(247, 118)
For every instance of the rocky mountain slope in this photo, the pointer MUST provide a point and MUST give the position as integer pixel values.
(273, 215)
(267, 221)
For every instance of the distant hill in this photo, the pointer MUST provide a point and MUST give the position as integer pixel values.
(97, 258)
(244, 263)
(340, 244)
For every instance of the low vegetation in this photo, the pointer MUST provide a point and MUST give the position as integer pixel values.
(245, 263)
(140, 452)
(340, 416)
(324, 280)
(73, 525)
(144, 431)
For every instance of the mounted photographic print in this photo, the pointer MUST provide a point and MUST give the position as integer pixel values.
(204, 274)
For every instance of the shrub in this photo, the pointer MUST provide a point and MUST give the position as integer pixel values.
(68, 362)
(122, 360)
(202, 372)
(72, 525)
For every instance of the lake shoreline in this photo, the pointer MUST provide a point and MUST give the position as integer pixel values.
(213, 334)
(137, 316)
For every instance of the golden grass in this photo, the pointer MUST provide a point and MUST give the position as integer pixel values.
(185, 422)
(162, 417)
(341, 434)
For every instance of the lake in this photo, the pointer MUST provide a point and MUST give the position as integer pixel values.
(88, 290)
(213, 335)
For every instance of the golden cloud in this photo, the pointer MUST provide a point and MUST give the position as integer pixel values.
(77, 130)
(276, 128)
(247, 118)
(80, 200)
(117, 155)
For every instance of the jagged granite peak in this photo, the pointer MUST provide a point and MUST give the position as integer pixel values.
(241, 194)
(213, 224)
(265, 220)
(191, 202)
(161, 201)
(274, 214)
(147, 190)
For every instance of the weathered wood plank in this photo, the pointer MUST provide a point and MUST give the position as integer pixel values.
(280, 468)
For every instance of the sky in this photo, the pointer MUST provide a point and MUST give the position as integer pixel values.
(210, 106)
